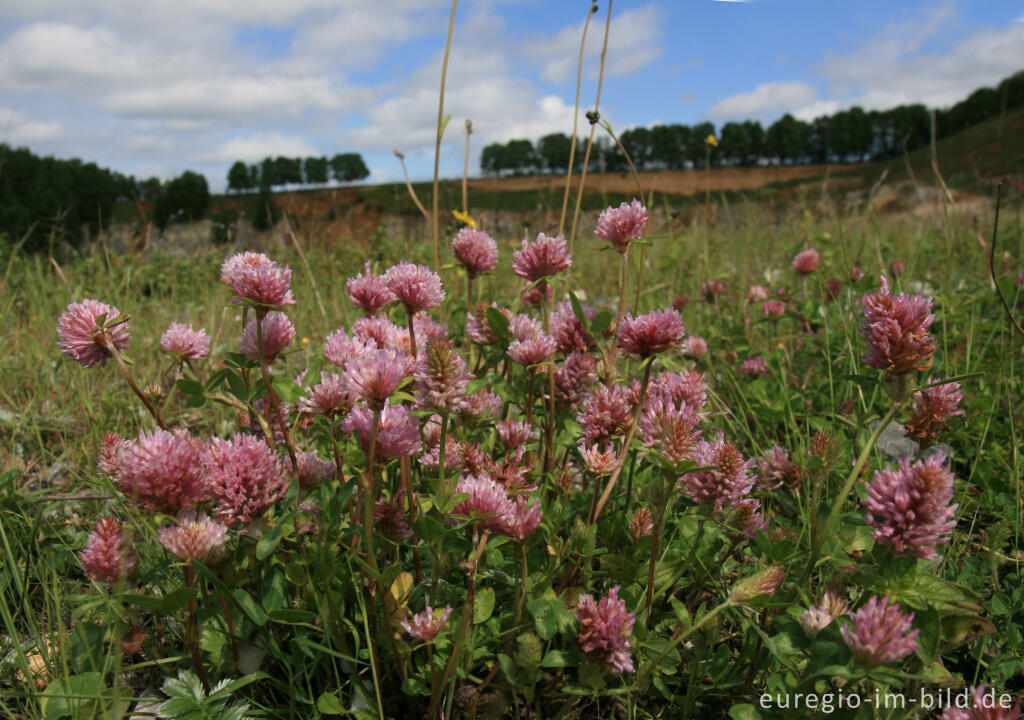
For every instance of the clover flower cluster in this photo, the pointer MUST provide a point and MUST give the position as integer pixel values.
(605, 629)
(879, 633)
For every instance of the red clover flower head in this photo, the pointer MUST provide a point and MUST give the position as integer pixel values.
(195, 537)
(425, 626)
(245, 478)
(605, 627)
(599, 459)
(773, 309)
(382, 332)
(482, 405)
(397, 435)
(487, 504)
(331, 397)
(649, 334)
(184, 343)
(568, 331)
(695, 346)
(532, 351)
(880, 633)
(622, 225)
(806, 261)
(669, 428)
(522, 520)
(278, 332)
(932, 407)
(255, 278)
(985, 705)
(896, 330)
(711, 289)
(312, 469)
(523, 327)
(641, 525)
(476, 250)
(340, 349)
(162, 471)
(687, 386)
(911, 507)
(369, 292)
(377, 375)
(391, 514)
(531, 295)
(754, 367)
(729, 480)
(106, 557)
(757, 293)
(87, 341)
(575, 377)
(109, 461)
(417, 286)
(541, 258)
(607, 412)
(514, 433)
(776, 470)
(478, 328)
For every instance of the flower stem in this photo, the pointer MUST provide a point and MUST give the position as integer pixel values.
(412, 333)
(275, 401)
(123, 366)
(369, 493)
(677, 637)
(437, 143)
(650, 570)
(575, 123)
(192, 632)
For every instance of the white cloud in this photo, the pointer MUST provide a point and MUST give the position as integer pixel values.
(634, 42)
(773, 98)
(16, 128)
(257, 146)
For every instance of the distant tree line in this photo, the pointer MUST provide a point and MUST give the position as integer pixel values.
(44, 200)
(848, 136)
(278, 171)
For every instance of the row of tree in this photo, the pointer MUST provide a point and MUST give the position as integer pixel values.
(281, 171)
(852, 135)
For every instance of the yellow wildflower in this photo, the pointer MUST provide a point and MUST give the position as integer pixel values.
(465, 219)
(710, 140)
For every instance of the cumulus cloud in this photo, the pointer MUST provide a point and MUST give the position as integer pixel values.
(773, 97)
(257, 146)
(633, 43)
(17, 128)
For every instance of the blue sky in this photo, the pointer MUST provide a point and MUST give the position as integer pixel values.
(159, 87)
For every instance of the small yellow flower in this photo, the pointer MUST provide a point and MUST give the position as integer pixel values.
(305, 341)
(465, 219)
(710, 140)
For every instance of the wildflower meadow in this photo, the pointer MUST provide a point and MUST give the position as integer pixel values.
(761, 464)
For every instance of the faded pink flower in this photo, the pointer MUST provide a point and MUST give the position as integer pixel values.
(754, 367)
(184, 343)
(773, 308)
(622, 225)
(514, 433)
(480, 406)
(856, 274)
(544, 257)
(278, 332)
(332, 397)
(605, 627)
(162, 471)
(776, 470)
(441, 379)
(641, 525)
(896, 267)
(932, 407)
(747, 518)
(575, 377)
(476, 250)
(984, 705)
(106, 557)
(695, 346)
(369, 291)
(417, 286)
(425, 626)
(599, 459)
(896, 329)
(531, 295)
(428, 328)
(879, 633)
(245, 478)
(532, 351)
(377, 375)
(194, 537)
(727, 483)
(109, 461)
(650, 334)
(568, 331)
(87, 340)
(687, 386)
(818, 617)
(832, 288)
(523, 327)
(312, 469)
(757, 293)
(512, 473)
(392, 515)
(380, 330)
(256, 278)
(711, 289)
(340, 349)
(669, 428)
(806, 261)
(397, 434)
(522, 520)
(911, 507)
(487, 505)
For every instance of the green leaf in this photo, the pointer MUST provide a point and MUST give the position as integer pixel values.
(578, 309)
(286, 388)
(483, 605)
(163, 604)
(291, 617)
(927, 621)
(559, 658)
(249, 607)
(76, 696)
(744, 711)
(601, 322)
(543, 618)
(270, 540)
(190, 387)
(330, 704)
(237, 386)
(497, 323)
